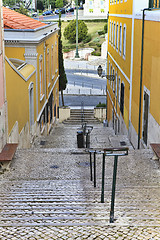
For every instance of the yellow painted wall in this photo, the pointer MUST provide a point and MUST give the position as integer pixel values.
(126, 91)
(17, 98)
(123, 63)
(40, 50)
(15, 52)
(121, 7)
(151, 69)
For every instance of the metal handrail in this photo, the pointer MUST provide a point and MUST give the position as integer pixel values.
(82, 112)
(111, 151)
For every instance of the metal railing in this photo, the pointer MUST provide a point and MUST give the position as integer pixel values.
(82, 112)
(154, 3)
(116, 152)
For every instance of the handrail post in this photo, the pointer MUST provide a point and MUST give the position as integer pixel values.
(91, 166)
(95, 169)
(113, 189)
(103, 175)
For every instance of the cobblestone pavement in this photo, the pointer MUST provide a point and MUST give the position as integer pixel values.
(47, 194)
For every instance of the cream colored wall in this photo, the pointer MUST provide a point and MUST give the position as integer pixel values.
(64, 113)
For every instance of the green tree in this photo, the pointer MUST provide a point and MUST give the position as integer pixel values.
(59, 3)
(40, 5)
(70, 31)
(22, 10)
(62, 74)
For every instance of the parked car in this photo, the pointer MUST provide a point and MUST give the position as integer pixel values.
(80, 8)
(62, 10)
(47, 13)
(34, 14)
(70, 9)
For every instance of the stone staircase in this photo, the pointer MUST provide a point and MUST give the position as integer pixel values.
(77, 116)
(51, 187)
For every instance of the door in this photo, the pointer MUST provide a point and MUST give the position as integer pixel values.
(145, 117)
(122, 99)
(31, 105)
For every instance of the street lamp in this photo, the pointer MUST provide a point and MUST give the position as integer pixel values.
(99, 70)
(108, 77)
(76, 55)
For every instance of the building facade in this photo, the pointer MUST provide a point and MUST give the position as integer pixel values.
(32, 80)
(3, 103)
(133, 95)
(96, 8)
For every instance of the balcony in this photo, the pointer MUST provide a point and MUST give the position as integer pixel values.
(154, 3)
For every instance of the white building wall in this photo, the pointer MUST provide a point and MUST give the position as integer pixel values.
(96, 8)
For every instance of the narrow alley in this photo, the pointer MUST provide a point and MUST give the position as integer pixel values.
(47, 194)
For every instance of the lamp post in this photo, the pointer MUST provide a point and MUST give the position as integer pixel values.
(76, 55)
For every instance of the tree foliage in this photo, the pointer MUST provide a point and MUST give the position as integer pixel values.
(70, 31)
(62, 74)
(40, 5)
(22, 10)
(59, 3)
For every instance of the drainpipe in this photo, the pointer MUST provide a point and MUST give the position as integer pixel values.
(140, 94)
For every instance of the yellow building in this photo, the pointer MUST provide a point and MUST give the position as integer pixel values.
(133, 107)
(32, 80)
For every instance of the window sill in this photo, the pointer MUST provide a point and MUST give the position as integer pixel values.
(53, 77)
(41, 97)
(43, 128)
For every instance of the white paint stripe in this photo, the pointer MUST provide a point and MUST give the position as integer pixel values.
(121, 15)
(119, 67)
(53, 86)
(42, 110)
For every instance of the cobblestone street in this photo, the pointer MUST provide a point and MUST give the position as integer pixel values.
(47, 194)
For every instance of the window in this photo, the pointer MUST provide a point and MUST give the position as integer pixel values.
(52, 62)
(117, 38)
(110, 33)
(41, 75)
(116, 86)
(124, 41)
(114, 35)
(120, 39)
(56, 55)
(111, 73)
(48, 69)
(122, 99)
(113, 81)
(119, 89)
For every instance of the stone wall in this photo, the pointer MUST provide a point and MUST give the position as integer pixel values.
(64, 113)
